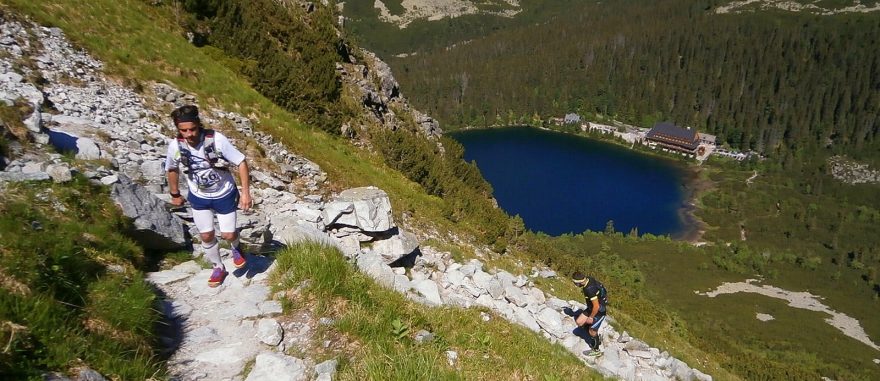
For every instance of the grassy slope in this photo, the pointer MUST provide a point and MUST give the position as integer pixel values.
(730, 320)
(71, 311)
(133, 40)
(382, 323)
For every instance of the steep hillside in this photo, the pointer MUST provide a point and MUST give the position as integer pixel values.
(119, 133)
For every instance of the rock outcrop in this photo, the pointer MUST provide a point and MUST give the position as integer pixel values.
(380, 95)
(155, 227)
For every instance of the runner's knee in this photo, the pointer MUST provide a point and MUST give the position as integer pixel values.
(210, 243)
(229, 236)
(207, 237)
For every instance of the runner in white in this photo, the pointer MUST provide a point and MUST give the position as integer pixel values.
(201, 154)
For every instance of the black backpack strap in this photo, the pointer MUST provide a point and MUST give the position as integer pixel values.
(211, 153)
(184, 153)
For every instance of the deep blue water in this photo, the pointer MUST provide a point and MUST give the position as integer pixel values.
(560, 183)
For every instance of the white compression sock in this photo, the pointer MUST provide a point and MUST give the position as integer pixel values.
(212, 253)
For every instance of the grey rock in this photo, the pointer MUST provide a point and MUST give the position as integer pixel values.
(326, 368)
(40, 138)
(88, 374)
(452, 358)
(428, 289)
(167, 276)
(423, 336)
(225, 354)
(203, 335)
(189, 267)
(485, 300)
(34, 167)
(636, 345)
(547, 274)
(402, 284)
(275, 366)
(153, 169)
(488, 283)
(367, 208)
(640, 353)
(155, 227)
(313, 198)
(373, 266)
(60, 173)
(526, 319)
(515, 296)
(326, 321)
(19, 176)
(454, 277)
(471, 268)
(396, 246)
(556, 303)
(299, 233)
(175, 308)
(87, 149)
(551, 321)
(681, 371)
(268, 180)
(108, 180)
(270, 307)
(269, 331)
(34, 122)
(54, 376)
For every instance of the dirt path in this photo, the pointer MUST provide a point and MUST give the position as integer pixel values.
(804, 300)
(438, 9)
(749, 180)
(792, 6)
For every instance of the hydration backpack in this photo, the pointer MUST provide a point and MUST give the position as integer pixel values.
(602, 291)
(211, 153)
(603, 294)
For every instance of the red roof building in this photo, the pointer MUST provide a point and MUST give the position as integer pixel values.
(671, 136)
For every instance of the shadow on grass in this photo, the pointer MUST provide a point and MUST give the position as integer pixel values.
(169, 327)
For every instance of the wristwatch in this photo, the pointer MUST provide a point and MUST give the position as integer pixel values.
(174, 195)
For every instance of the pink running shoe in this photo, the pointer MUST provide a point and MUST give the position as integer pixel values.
(238, 258)
(217, 277)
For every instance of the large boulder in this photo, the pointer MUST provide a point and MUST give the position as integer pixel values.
(154, 226)
(367, 208)
(551, 321)
(396, 246)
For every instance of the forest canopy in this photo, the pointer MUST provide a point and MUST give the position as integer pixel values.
(767, 81)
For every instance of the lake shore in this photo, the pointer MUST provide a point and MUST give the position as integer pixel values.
(693, 228)
(695, 185)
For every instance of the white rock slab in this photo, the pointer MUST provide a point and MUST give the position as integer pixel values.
(275, 366)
